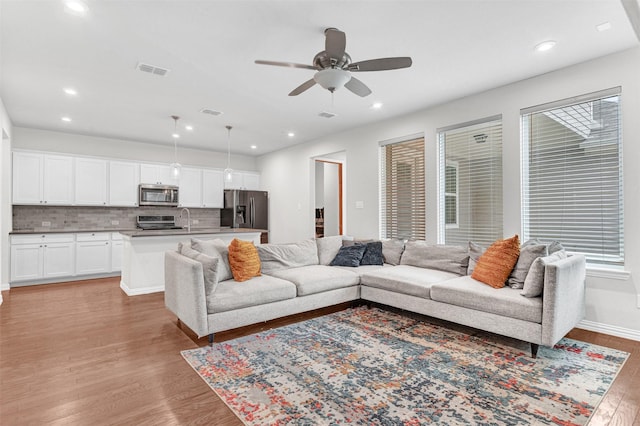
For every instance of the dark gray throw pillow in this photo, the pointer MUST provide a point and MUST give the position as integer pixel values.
(349, 256)
(372, 254)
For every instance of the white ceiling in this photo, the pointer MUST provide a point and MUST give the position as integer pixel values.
(458, 48)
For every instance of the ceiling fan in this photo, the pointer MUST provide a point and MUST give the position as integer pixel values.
(334, 66)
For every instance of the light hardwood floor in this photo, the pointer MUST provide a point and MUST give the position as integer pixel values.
(84, 353)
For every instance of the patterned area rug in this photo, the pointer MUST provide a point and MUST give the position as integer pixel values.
(369, 366)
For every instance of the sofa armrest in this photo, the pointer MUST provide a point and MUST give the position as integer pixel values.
(563, 303)
(184, 293)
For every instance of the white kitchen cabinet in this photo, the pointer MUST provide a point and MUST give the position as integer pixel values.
(190, 194)
(124, 178)
(93, 253)
(116, 251)
(42, 179)
(90, 182)
(212, 189)
(42, 256)
(243, 180)
(157, 174)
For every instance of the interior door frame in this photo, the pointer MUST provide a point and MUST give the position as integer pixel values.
(340, 165)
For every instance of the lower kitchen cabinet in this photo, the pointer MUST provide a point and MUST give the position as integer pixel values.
(93, 253)
(116, 251)
(42, 256)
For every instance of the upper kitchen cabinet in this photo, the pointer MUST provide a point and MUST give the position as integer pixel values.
(212, 189)
(243, 180)
(90, 182)
(190, 194)
(124, 178)
(157, 174)
(42, 179)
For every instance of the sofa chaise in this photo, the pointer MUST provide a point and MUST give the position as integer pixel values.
(427, 279)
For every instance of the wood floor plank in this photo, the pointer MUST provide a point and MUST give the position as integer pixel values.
(84, 353)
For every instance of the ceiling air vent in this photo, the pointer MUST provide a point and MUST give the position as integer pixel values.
(326, 114)
(210, 111)
(152, 69)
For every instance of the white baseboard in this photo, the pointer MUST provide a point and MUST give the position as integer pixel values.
(138, 291)
(613, 330)
(7, 286)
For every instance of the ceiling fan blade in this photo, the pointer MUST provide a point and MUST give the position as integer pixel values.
(381, 64)
(286, 64)
(335, 43)
(304, 86)
(358, 87)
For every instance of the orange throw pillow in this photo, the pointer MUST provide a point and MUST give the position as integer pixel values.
(495, 264)
(244, 260)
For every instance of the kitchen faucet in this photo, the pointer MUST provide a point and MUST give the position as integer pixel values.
(188, 217)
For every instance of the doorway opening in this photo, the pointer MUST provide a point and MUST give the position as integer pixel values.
(329, 198)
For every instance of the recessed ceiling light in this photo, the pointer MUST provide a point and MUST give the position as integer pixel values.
(254, 147)
(604, 26)
(70, 91)
(376, 105)
(75, 7)
(175, 136)
(189, 128)
(545, 45)
(66, 119)
(291, 134)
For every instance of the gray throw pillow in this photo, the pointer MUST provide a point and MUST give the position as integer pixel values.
(528, 254)
(274, 257)
(372, 254)
(392, 251)
(328, 248)
(475, 251)
(209, 267)
(349, 256)
(534, 282)
(454, 259)
(218, 249)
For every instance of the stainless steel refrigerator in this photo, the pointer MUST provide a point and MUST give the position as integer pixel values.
(245, 209)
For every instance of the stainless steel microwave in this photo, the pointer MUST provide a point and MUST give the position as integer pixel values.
(157, 195)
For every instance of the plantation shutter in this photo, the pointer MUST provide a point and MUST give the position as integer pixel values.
(572, 175)
(402, 198)
(470, 182)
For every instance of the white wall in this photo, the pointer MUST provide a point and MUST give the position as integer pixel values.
(5, 196)
(289, 174)
(45, 140)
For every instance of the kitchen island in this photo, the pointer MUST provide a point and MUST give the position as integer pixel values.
(143, 253)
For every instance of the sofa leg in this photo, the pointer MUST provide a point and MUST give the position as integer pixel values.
(211, 339)
(534, 350)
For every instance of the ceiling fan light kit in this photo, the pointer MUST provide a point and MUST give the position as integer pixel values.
(334, 66)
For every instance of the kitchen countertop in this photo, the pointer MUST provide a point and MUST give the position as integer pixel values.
(194, 231)
(66, 231)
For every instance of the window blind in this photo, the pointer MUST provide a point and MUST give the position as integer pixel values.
(572, 176)
(402, 198)
(470, 182)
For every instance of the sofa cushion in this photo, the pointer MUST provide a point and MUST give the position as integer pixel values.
(230, 295)
(392, 251)
(317, 278)
(274, 257)
(529, 252)
(497, 262)
(349, 256)
(406, 279)
(363, 269)
(372, 254)
(244, 260)
(470, 293)
(215, 248)
(475, 251)
(446, 258)
(328, 248)
(534, 283)
(209, 266)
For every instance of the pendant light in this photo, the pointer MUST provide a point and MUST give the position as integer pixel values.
(228, 172)
(175, 166)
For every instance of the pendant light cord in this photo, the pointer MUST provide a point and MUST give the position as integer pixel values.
(228, 147)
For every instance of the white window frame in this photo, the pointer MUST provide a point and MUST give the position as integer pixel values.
(455, 165)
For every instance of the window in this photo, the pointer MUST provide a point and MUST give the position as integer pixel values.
(470, 182)
(572, 175)
(402, 187)
(451, 194)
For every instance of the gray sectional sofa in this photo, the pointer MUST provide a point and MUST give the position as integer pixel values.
(426, 279)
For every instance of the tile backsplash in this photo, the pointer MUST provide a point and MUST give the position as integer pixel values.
(68, 218)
